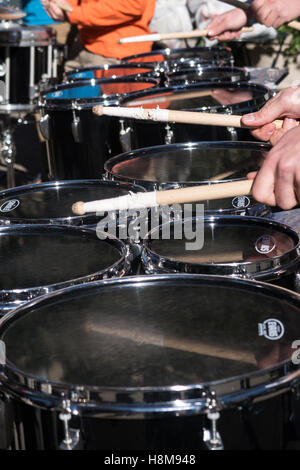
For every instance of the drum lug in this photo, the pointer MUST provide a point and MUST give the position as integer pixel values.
(211, 436)
(71, 436)
(77, 129)
(2, 69)
(44, 125)
(125, 136)
(232, 132)
(169, 135)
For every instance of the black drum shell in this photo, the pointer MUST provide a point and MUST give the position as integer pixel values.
(34, 414)
(78, 141)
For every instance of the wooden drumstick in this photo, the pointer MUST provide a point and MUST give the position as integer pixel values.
(196, 33)
(166, 197)
(168, 115)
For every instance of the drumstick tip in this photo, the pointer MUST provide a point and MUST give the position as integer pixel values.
(78, 208)
(98, 110)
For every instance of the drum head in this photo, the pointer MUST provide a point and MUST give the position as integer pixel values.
(34, 256)
(187, 164)
(223, 245)
(52, 202)
(222, 97)
(155, 332)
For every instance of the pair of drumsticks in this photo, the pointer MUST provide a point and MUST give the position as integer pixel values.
(171, 196)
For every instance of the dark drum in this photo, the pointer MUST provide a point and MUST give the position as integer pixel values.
(78, 142)
(38, 259)
(51, 202)
(29, 56)
(246, 247)
(176, 59)
(190, 164)
(222, 98)
(206, 74)
(177, 362)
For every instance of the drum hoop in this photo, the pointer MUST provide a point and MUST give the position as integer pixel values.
(145, 152)
(265, 269)
(111, 67)
(182, 399)
(75, 220)
(121, 267)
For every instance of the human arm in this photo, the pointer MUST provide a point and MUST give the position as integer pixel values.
(277, 183)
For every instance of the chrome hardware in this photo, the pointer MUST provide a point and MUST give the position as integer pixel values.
(169, 135)
(232, 132)
(8, 154)
(211, 436)
(76, 128)
(44, 125)
(71, 436)
(2, 91)
(125, 136)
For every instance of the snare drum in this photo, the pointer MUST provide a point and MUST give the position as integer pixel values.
(224, 98)
(247, 247)
(206, 74)
(28, 55)
(113, 71)
(51, 202)
(179, 362)
(176, 59)
(78, 142)
(190, 164)
(38, 259)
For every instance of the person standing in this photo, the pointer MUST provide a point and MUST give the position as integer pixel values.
(101, 23)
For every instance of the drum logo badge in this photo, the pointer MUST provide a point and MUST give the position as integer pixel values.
(265, 244)
(9, 206)
(240, 202)
(271, 329)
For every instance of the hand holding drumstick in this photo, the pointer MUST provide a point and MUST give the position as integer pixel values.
(227, 26)
(278, 181)
(57, 9)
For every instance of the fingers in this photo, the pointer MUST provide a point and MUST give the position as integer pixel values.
(288, 124)
(232, 20)
(251, 175)
(278, 180)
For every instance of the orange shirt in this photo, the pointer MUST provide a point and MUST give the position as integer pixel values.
(103, 22)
